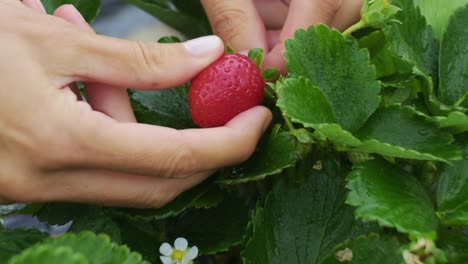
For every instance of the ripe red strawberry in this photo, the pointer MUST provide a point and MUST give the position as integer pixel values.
(229, 86)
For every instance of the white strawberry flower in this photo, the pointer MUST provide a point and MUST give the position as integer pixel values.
(179, 254)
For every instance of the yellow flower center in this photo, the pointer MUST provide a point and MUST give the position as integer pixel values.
(178, 255)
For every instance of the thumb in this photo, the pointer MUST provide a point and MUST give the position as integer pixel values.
(141, 65)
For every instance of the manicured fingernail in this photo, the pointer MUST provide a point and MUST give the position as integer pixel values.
(203, 46)
(40, 6)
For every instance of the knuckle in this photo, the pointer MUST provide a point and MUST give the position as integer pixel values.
(19, 187)
(183, 162)
(150, 58)
(229, 20)
(157, 198)
(330, 7)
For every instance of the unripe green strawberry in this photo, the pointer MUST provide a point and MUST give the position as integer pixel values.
(229, 86)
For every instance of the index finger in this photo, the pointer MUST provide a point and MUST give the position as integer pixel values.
(304, 13)
(237, 22)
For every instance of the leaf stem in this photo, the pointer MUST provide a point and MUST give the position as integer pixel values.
(354, 28)
(289, 124)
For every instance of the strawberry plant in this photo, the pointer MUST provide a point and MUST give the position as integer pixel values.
(366, 160)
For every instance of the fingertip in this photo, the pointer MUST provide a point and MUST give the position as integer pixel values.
(258, 116)
(276, 59)
(69, 13)
(204, 46)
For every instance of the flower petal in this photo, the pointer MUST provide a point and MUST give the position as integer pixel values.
(166, 249)
(166, 260)
(181, 243)
(192, 254)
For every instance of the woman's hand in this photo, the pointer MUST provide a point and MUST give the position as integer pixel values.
(55, 147)
(247, 24)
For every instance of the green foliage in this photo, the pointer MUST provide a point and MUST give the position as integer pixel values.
(215, 229)
(168, 107)
(274, 154)
(85, 247)
(169, 39)
(438, 12)
(301, 222)
(256, 55)
(453, 241)
(367, 249)
(340, 69)
(89, 9)
(12, 242)
(270, 74)
(187, 17)
(205, 195)
(453, 87)
(452, 192)
(378, 187)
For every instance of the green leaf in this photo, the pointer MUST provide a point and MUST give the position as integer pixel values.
(456, 122)
(270, 74)
(367, 249)
(60, 213)
(12, 242)
(169, 39)
(452, 193)
(8, 209)
(168, 107)
(89, 9)
(256, 55)
(97, 220)
(230, 49)
(304, 102)
(391, 131)
(95, 248)
(302, 222)
(340, 69)
(387, 194)
(386, 64)
(216, 229)
(412, 40)
(46, 254)
(143, 237)
(405, 128)
(453, 240)
(189, 25)
(204, 195)
(193, 8)
(453, 70)
(438, 12)
(273, 154)
(85, 218)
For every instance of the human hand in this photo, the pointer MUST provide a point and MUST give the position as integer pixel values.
(247, 24)
(57, 148)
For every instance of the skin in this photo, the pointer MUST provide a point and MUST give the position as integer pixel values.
(56, 147)
(267, 24)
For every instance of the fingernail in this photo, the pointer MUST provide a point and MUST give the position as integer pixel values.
(202, 46)
(39, 5)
